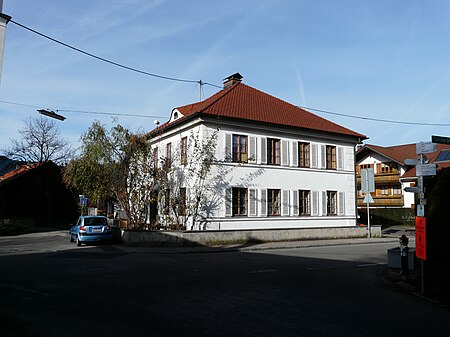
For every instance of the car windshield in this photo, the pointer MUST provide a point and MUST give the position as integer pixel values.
(95, 221)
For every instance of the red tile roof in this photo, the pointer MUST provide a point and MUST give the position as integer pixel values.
(243, 102)
(399, 153)
(18, 171)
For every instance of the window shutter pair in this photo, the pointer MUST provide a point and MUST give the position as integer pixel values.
(294, 146)
(252, 202)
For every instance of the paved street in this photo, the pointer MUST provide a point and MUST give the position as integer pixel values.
(49, 287)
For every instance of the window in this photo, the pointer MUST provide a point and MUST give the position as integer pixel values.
(168, 154)
(304, 202)
(155, 157)
(239, 201)
(274, 202)
(183, 151)
(396, 189)
(331, 157)
(273, 151)
(303, 154)
(166, 201)
(443, 156)
(182, 201)
(384, 190)
(388, 168)
(240, 153)
(331, 203)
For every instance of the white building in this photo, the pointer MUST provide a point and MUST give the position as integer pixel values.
(279, 165)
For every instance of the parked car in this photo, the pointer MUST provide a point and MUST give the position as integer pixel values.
(89, 229)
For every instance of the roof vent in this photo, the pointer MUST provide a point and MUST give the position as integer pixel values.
(232, 79)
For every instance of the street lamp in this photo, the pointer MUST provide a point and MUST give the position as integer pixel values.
(51, 114)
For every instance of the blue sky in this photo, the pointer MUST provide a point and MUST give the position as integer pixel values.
(376, 59)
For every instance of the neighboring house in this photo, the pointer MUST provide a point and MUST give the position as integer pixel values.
(36, 192)
(392, 174)
(280, 166)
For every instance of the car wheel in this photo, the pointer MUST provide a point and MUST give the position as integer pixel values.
(78, 241)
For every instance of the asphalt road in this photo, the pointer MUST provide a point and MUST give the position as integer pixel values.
(49, 287)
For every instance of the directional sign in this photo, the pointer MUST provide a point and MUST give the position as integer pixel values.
(412, 189)
(411, 162)
(426, 170)
(421, 238)
(420, 210)
(440, 140)
(425, 147)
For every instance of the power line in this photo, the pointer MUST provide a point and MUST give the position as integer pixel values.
(303, 107)
(375, 119)
(82, 111)
(112, 62)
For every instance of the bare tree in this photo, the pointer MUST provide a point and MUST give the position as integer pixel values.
(41, 141)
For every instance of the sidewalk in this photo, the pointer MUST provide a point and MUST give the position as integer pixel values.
(253, 246)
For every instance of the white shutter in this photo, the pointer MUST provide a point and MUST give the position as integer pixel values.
(263, 150)
(228, 147)
(341, 205)
(228, 205)
(315, 203)
(295, 210)
(284, 152)
(294, 146)
(340, 158)
(263, 203)
(285, 203)
(252, 149)
(252, 202)
(323, 156)
(314, 156)
(324, 203)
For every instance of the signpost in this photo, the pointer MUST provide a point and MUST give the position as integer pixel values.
(421, 245)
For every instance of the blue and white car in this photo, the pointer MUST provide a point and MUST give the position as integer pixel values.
(91, 229)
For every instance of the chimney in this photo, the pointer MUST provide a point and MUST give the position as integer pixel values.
(232, 79)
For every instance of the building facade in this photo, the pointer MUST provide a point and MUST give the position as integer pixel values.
(393, 174)
(275, 165)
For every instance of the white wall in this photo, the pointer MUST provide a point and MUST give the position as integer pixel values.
(288, 178)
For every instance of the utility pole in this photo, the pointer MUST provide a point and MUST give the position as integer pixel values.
(4, 19)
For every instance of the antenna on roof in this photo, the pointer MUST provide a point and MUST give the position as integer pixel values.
(201, 88)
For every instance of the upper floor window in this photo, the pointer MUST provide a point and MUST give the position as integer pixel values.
(387, 168)
(304, 202)
(240, 148)
(273, 151)
(331, 157)
(239, 201)
(331, 203)
(168, 154)
(274, 202)
(183, 150)
(303, 154)
(155, 157)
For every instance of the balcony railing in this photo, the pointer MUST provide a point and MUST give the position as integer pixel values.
(384, 201)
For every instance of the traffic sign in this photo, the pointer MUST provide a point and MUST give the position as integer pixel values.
(368, 199)
(425, 147)
(426, 170)
(420, 210)
(440, 139)
(367, 180)
(412, 189)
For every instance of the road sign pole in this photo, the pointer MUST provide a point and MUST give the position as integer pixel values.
(368, 221)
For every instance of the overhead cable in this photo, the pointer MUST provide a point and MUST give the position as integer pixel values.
(112, 62)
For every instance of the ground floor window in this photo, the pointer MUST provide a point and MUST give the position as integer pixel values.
(274, 202)
(239, 201)
(331, 203)
(304, 202)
